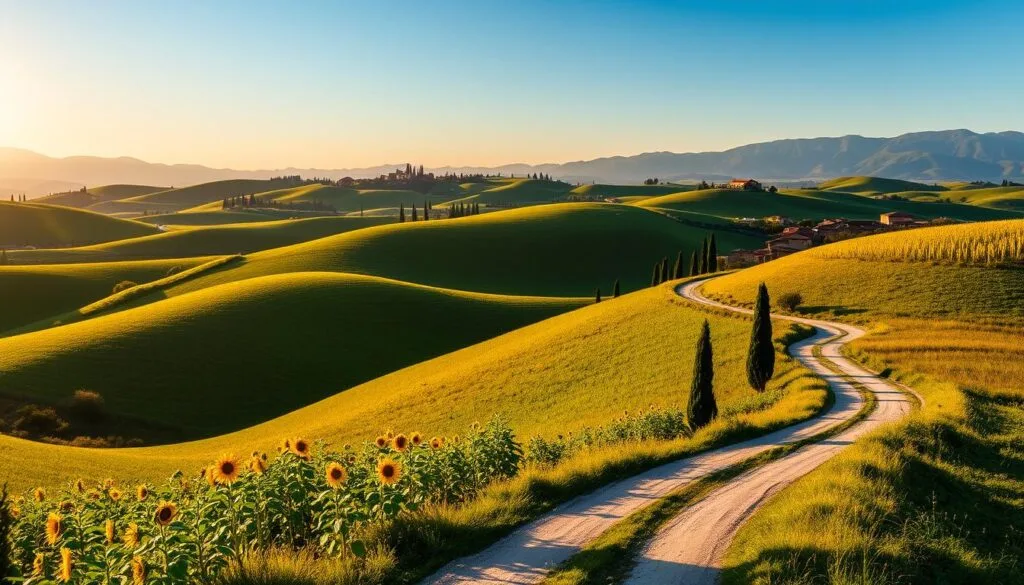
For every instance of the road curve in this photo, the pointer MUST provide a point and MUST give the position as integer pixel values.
(528, 553)
(690, 548)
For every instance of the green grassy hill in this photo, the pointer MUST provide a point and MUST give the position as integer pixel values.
(31, 293)
(186, 197)
(630, 191)
(212, 240)
(95, 195)
(345, 199)
(520, 192)
(45, 226)
(874, 185)
(811, 204)
(239, 354)
(219, 217)
(573, 368)
(562, 250)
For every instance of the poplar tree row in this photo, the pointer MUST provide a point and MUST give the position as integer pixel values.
(704, 261)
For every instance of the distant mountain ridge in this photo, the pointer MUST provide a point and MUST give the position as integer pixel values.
(917, 156)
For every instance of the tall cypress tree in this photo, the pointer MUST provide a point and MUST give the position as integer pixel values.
(702, 259)
(702, 407)
(414, 218)
(712, 261)
(761, 354)
(426, 210)
(664, 269)
(401, 213)
(597, 295)
(656, 275)
(694, 265)
(615, 289)
(677, 270)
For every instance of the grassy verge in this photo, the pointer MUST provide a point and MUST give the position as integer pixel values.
(938, 498)
(609, 558)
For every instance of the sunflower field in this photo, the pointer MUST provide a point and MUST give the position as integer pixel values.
(307, 497)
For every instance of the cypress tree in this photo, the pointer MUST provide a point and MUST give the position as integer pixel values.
(677, 270)
(656, 276)
(615, 289)
(702, 408)
(401, 213)
(694, 266)
(761, 354)
(702, 259)
(712, 261)
(664, 269)
(597, 295)
(426, 210)
(414, 218)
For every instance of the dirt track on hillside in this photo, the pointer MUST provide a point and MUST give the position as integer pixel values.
(690, 547)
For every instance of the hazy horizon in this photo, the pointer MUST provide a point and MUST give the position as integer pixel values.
(325, 85)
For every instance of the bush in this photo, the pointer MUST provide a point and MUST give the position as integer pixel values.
(88, 405)
(790, 301)
(38, 420)
(124, 285)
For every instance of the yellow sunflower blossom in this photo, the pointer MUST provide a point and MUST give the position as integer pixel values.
(336, 475)
(389, 471)
(54, 528)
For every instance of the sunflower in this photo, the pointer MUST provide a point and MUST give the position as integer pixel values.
(142, 492)
(66, 565)
(80, 486)
(390, 435)
(40, 494)
(437, 442)
(138, 571)
(400, 443)
(226, 469)
(389, 471)
(351, 459)
(54, 527)
(39, 565)
(108, 483)
(258, 465)
(93, 494)
(210, 475)
(381, 441)
(416, 439)
(165, 512)
(66, 507)
(15, 511)
(336, 475)
(300, 447)
(114, 494)
(108, 531)
(131, 535)
(285, 446)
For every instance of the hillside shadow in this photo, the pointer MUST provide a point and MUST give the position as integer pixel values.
(834, 309)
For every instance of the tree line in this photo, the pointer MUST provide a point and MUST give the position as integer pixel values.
(704, 261)
(252, 201)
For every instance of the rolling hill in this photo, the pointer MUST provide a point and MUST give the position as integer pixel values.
(186, 197)
(89, 197)
(874, 185)
(345, 199)
(50, 226)
(812, 204)
(564, 249)
(211, 240)
(239, 354)
(573, 367)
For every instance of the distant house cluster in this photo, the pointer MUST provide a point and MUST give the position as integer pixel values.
(795, 238)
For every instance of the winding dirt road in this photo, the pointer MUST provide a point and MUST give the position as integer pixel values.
(689, 549)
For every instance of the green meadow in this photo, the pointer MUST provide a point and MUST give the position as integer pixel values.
(52, 226)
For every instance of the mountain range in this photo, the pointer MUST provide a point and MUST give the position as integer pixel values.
(917, 156)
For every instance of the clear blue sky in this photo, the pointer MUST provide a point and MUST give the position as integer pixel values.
(339, 84)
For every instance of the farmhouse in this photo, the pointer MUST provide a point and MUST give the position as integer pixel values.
(787, 244)
(897, 218)
(745, 184)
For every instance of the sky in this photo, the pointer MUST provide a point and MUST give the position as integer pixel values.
(259, 85)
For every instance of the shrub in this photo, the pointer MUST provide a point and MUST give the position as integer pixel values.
(88, 405)
(790, 301)
(124, 285)
(39, 420)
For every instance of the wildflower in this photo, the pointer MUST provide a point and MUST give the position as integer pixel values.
(389, 471)
(39, 565)
(381, 441)
(40, 494)
(142, 492)
(138, 571)
(114, 494)
(226, 470)
(131, 535)
(165, 512)
(336, 475)
(54, 527)
(400, 443)
(108, 531)
(437, 442)
(300, 447)
(66, 565)
(416, 439)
